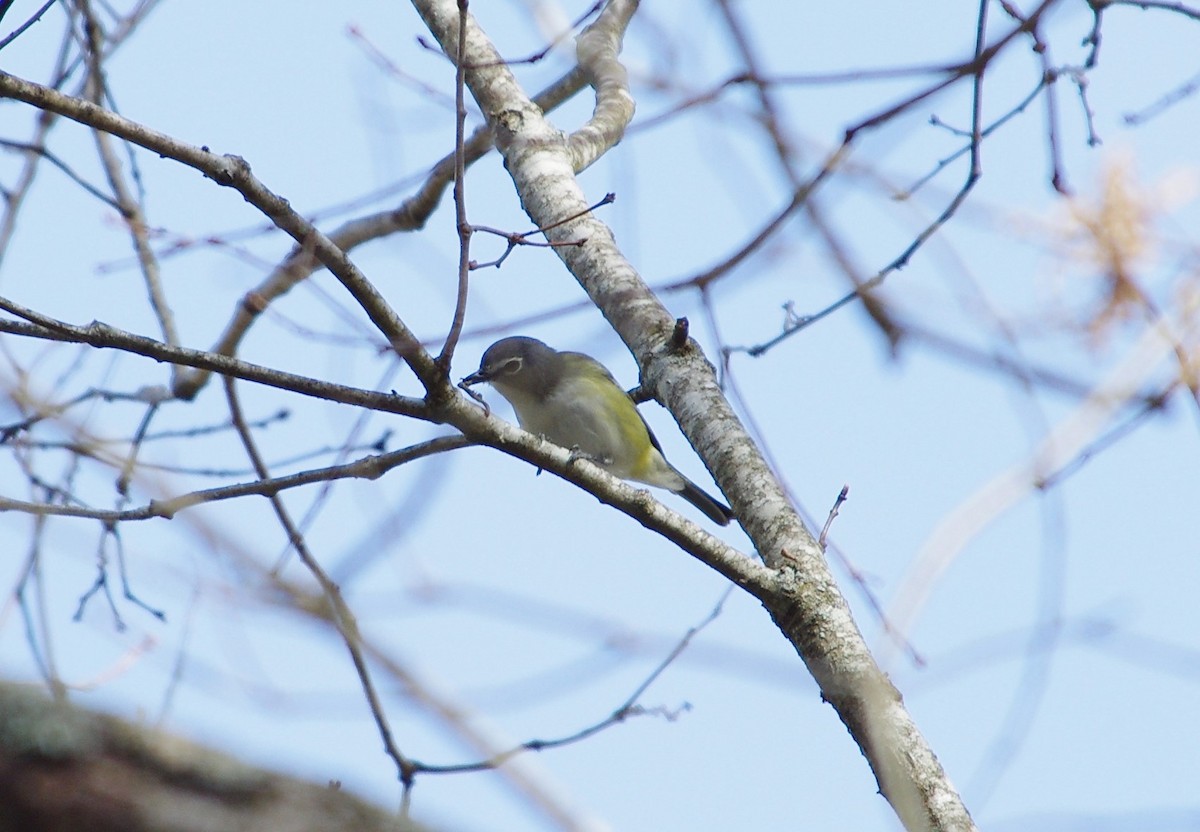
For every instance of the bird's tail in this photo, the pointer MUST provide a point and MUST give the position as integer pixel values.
(713, 508)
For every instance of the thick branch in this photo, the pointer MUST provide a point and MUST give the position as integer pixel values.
(804, 600)
(64, 768)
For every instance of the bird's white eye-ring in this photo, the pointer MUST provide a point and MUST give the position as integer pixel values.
(511, 367)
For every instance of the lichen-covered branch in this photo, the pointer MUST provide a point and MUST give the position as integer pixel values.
(804, 599)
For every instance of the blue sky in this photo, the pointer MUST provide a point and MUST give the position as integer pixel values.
(1060, 644)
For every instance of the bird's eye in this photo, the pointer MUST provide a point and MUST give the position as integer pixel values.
(511, 367)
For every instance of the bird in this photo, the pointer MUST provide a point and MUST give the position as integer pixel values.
(572, 400)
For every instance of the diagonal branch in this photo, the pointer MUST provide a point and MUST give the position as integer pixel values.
(234, 172)
(803, 598)
(410, 215)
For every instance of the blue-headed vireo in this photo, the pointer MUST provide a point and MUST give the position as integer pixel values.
(571, 399)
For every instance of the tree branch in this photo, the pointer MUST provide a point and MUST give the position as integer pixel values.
(803, 597)
(234, 172)
(65, 768)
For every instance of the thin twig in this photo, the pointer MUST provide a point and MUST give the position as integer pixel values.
(370, 467)
(624, 711)
(341, 616)
(833, 512)
(460, 196)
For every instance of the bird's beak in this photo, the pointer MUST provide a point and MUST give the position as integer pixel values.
(475, 378)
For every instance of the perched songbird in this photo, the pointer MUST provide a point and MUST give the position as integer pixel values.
(572, 400)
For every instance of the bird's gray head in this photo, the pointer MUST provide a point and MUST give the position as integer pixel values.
(517, 362)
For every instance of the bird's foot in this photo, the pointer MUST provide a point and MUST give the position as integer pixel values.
(578, 453)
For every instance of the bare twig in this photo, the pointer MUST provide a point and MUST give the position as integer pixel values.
(102, 335)
(340, 613)
(833, 512)
(460, 199)
(370, 467)
(624, 711)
